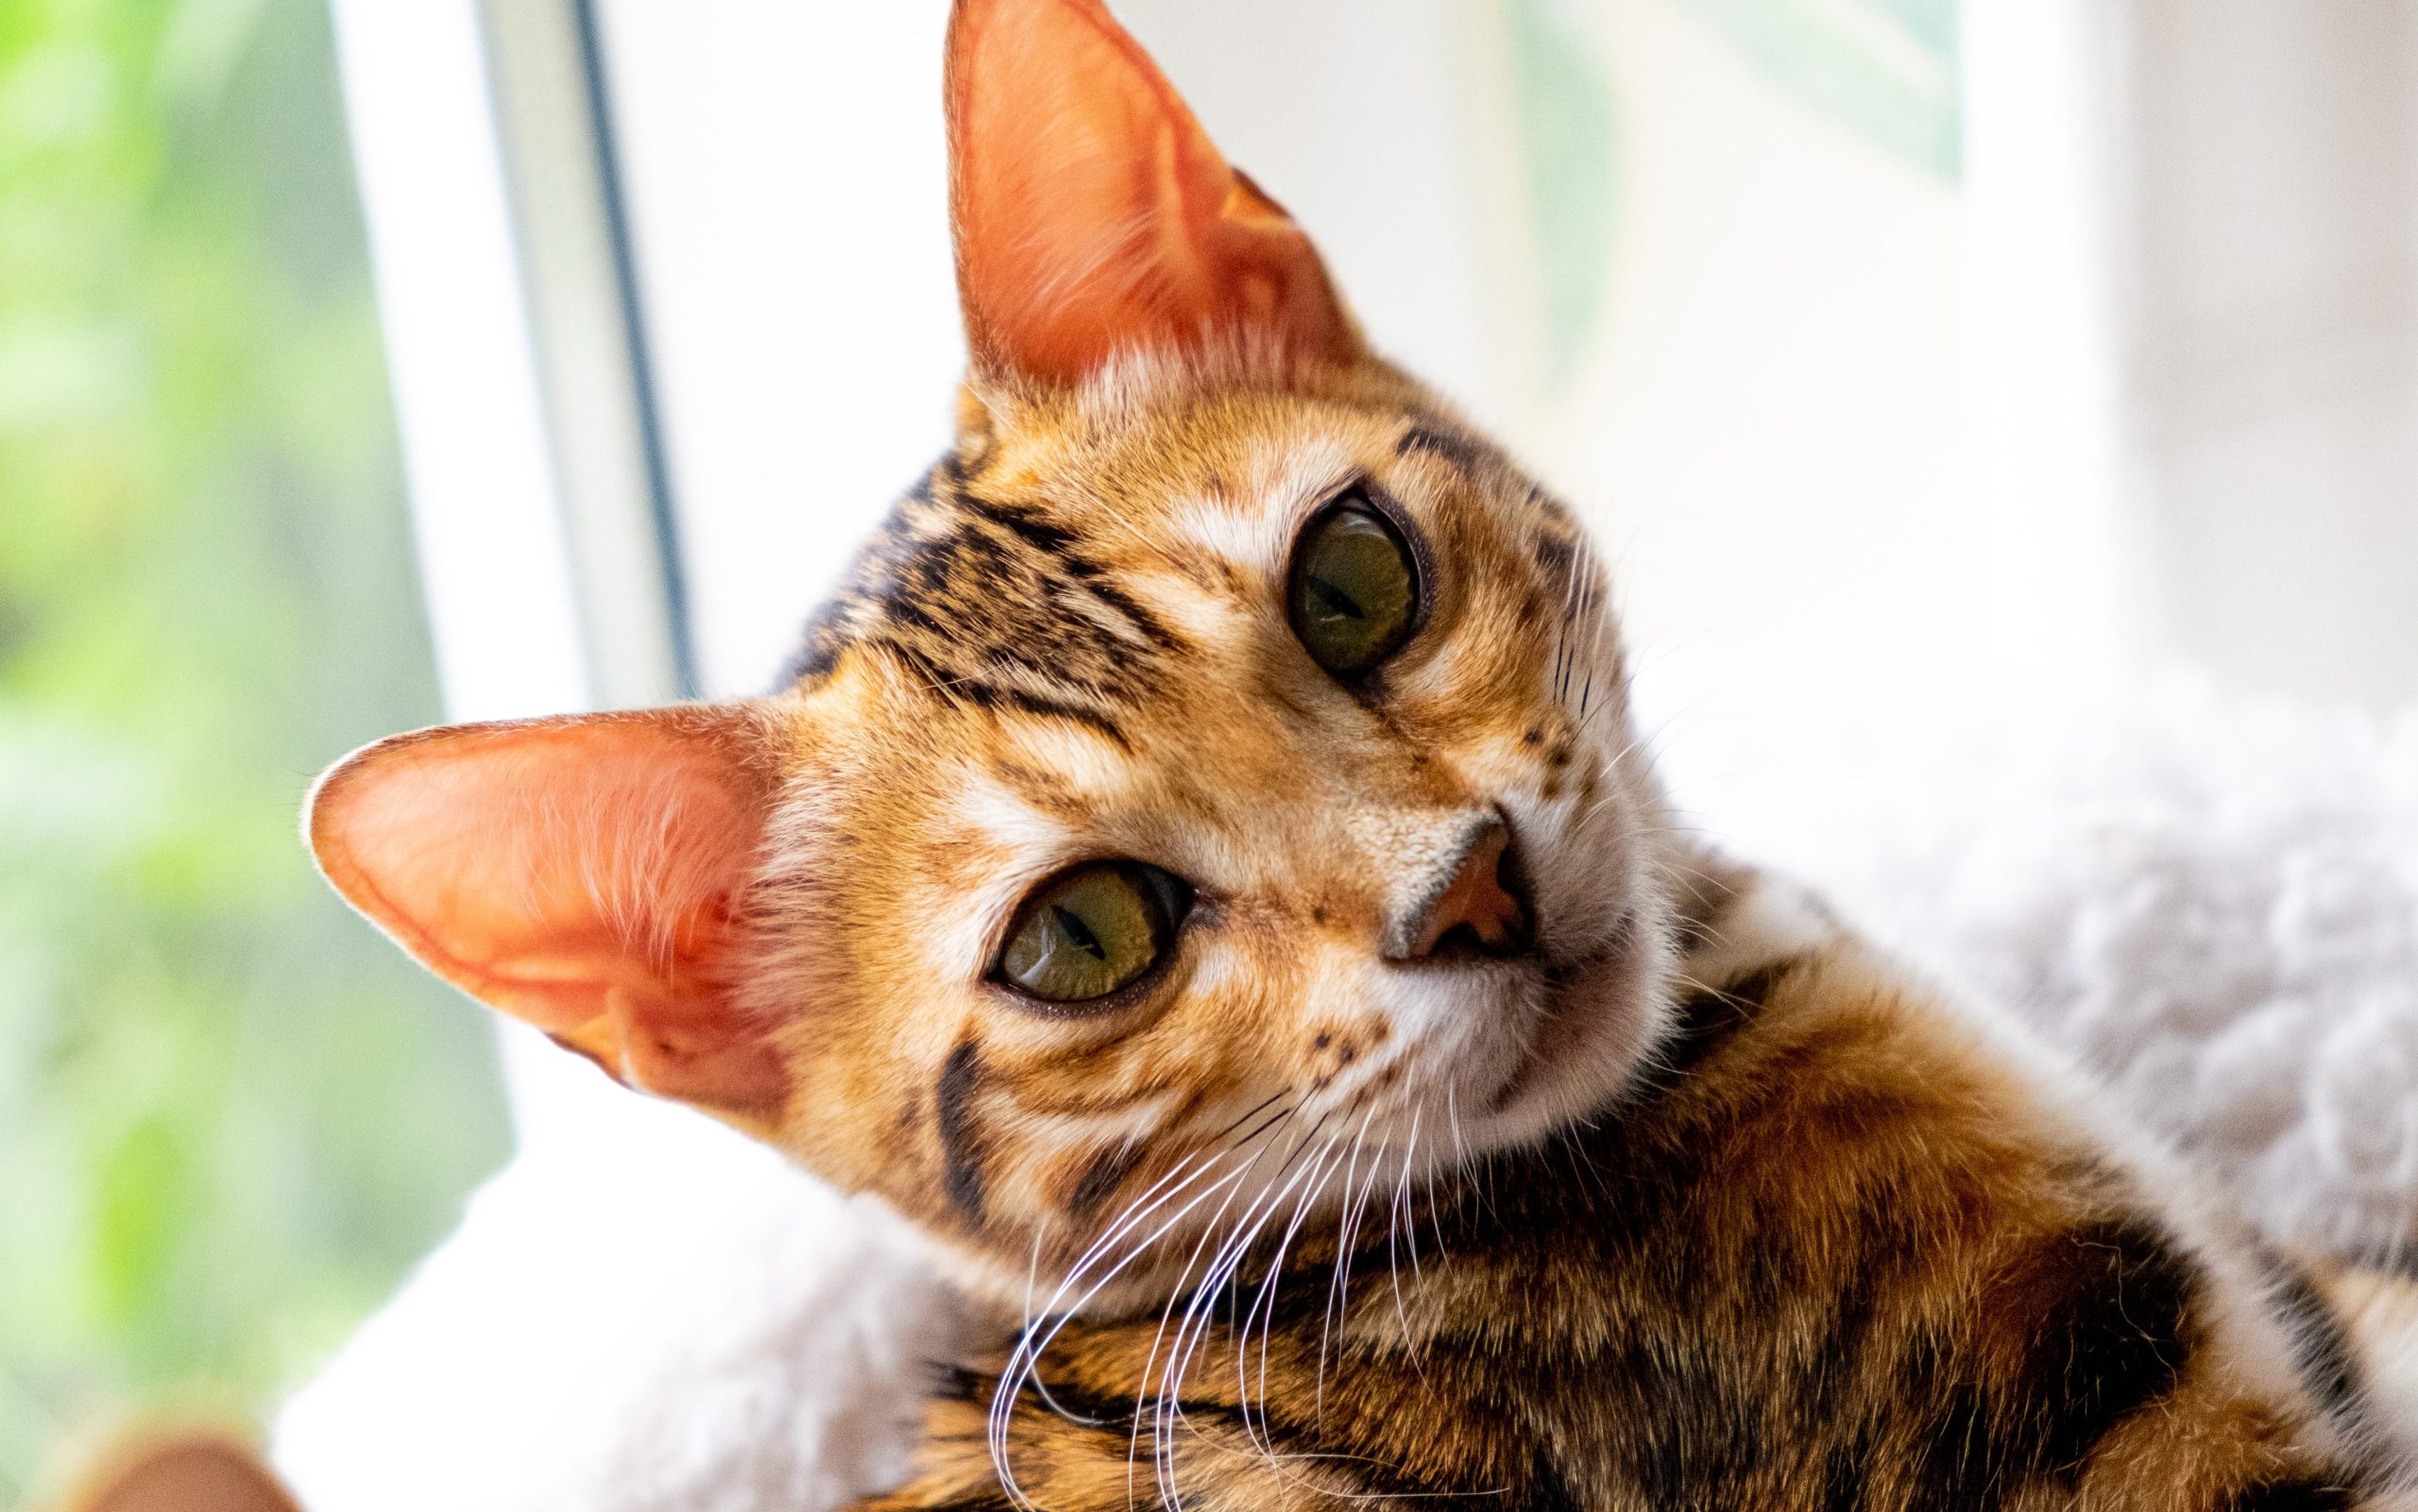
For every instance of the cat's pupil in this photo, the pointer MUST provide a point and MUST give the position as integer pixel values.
(1079, 932)
(1334, 600)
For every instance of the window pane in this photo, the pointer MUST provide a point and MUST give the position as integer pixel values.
(230, 1114)
(786, 176)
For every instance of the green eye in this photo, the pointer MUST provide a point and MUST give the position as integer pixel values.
(1085, 933)
(1354, 596)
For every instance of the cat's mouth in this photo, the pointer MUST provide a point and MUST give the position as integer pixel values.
(1560, 1024)
(1538, 1042)
(1592, 1031)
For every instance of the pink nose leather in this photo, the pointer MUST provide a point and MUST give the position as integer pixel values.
(1475, 899)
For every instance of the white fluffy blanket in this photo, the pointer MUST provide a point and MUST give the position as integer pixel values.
(2214, 904)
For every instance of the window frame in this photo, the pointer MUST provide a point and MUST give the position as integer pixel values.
(541, 501)
(542, 519)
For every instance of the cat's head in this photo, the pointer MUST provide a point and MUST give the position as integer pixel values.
(1222, 753)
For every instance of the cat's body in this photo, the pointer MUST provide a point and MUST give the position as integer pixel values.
(1207, 837)
(1834, 1252)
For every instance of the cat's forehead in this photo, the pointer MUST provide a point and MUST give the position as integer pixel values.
(1114, 574)
(995, 602)
(1028, 569)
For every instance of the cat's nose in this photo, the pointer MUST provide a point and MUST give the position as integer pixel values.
(1473, 904)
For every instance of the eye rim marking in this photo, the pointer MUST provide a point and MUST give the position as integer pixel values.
(1365, 492)
(1177, 901)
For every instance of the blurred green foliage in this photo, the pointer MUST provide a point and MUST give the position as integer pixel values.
(1885, 69)
(1567, 125)
(229, 1116)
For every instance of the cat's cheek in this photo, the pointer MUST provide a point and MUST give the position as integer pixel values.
(1602, 1023)
(1414, 1041)
(1580, 861)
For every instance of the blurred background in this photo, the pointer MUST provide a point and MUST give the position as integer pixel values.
(229, 1117)
(1900, 350)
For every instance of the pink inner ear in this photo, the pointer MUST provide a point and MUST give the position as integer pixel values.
(578, 874)
(1093, 212)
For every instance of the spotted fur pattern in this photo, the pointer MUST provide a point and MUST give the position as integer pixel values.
(1836, 1249)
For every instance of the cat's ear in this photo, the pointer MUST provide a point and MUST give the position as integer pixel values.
(581, 874)
(1094, 214)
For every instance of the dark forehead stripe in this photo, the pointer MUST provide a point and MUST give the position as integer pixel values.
(1059, 545)
(1465, 451)
(995, 605)
(1555, 536)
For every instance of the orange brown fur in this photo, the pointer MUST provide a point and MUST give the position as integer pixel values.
(1686, 1202)
(1834, 1253)
(971, 655)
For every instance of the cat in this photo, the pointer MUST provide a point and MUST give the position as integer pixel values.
(1202, 868)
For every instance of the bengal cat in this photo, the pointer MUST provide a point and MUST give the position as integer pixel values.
(1202, 870)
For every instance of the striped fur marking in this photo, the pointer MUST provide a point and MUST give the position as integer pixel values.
(1605, 1322)
(2297, 1493)
(2320, 1346)
(962, 1147)
(2103, 1317)
(992, 605)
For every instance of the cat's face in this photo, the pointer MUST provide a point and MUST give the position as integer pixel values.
(1222, 755)
(1079, 644)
